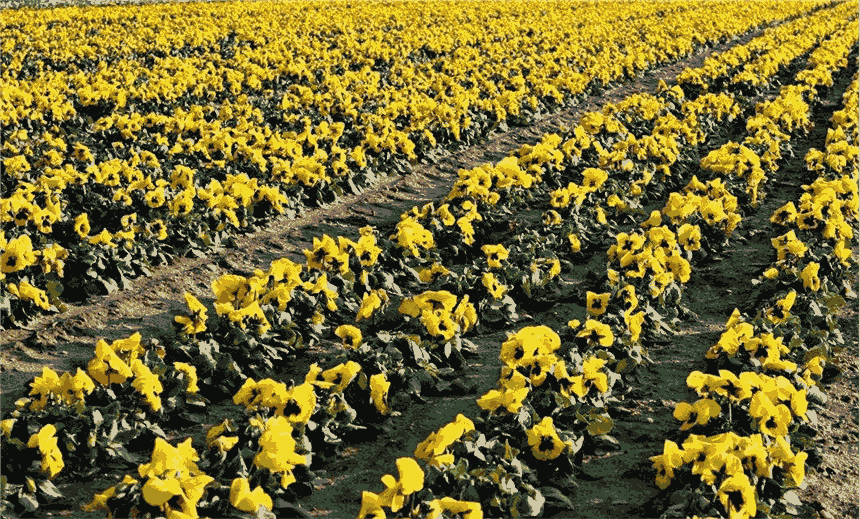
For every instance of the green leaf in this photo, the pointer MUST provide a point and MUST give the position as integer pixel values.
(834, 302)
(624, 365)
(534, 504)
(577, 444)
(816, 310)
(554, 496)
(414, 384)
(813, 394)
(109, 284)
(30, 503)
(507, 485)
(418, 353)
(599, 425)
(791, 498)
(49, 489)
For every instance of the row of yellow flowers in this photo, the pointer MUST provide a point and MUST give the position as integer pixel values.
(350, 44)
(435, 449)
(762, 372)
(772, 410)
(327, 255)
(759, 72)
(533, 350)
(164, 170)
(412, 477)
(331, 259)
(745, 62)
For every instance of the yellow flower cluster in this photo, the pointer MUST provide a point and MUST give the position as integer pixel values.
(396, 490)
(828, 208)
(171, 478)
(712, 202)
(533, 349)
(655, 257)
(529, 358)
(727, 461)
(736, 160)
(246, 500)
(786, 45)
(829, 56)
(440, 313)
(724, 63)
(412, 233)
(827, 205)
(68, 389)
(764, 347)
(296, 404)
(545, 442)
(113, 363)
(433, 449)
(46, 441)
(18, 254)
(278, 449)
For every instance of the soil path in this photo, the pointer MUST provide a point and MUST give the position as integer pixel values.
(64, 341)
(623, 488)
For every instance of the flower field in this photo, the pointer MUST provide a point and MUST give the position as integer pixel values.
(430, 259)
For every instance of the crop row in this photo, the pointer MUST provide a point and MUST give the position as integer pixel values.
(532, 347)
(113, 169)
(745, 68)
(267, 315)
(749, 436)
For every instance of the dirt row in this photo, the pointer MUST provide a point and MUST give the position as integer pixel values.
(65, 340)
(622, 483)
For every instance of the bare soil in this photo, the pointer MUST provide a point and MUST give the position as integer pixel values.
(623, 479)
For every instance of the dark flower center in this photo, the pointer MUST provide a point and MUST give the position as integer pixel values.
(292, 408)
(736, 499)
(733, 389)
(547, 443)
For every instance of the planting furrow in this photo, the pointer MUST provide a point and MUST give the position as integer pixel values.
(111, 178)
(404, 305)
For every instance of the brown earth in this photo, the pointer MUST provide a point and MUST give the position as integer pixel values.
(624, 486)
